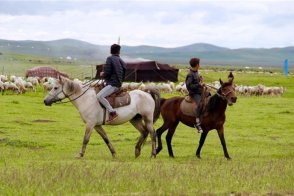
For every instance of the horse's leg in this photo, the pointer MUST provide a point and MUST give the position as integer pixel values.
(150, 128)
(102, 133)
(169, 137)
(201, 142)
(221, 135)
(87, 135)
(159, 132)
(138, 124)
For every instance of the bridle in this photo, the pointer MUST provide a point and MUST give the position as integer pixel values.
(220, 93)
(224, 95)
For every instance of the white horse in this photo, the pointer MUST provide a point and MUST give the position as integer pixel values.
(142, 112)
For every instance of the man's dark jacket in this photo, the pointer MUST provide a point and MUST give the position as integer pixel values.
(193, 83)
(114, 71)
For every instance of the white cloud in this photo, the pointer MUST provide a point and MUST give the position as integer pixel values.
(231, 24)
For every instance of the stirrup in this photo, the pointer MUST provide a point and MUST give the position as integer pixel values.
(112, 116)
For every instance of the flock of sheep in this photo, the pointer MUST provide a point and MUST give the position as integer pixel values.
(21, 85)
(257, 90)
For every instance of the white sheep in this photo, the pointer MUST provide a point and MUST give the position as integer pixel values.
(11, 86)
(3, 78)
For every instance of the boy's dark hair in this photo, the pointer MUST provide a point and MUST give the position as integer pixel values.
(115, 49)
(194, 62)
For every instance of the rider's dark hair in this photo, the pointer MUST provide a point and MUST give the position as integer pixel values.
(115, 49)
(194, 62)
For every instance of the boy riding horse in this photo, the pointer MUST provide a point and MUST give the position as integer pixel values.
(195, 88)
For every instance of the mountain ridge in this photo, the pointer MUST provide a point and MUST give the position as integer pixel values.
(208, 53)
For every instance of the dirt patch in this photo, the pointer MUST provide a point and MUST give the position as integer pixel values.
(22, 123)
(23, 144)
(43, 121)
(2, 140)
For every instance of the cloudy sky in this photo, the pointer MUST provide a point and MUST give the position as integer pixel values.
(165, 23)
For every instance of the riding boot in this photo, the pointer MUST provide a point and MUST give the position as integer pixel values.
(112, 115)
(198, 125)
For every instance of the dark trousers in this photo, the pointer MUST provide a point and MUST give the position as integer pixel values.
(197, 99)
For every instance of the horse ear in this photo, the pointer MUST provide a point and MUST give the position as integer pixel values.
(220, 81)
(61, 79)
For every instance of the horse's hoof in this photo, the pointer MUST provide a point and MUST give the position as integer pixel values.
(137, 153)
(158, 150)
(198, 156)
(228, 158)
(153, 156)
(79, 156)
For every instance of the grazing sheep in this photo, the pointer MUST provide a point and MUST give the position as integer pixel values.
(20, 84)
(259, 90)
(48, 85)
(134, 85)
(165, 88)
(3, 78)
(1, 86)
(29, 85)
(33, 80)
(11, 86)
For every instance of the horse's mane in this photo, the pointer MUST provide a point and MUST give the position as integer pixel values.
(213, 102)
(74, 87)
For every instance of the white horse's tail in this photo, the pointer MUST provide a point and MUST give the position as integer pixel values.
(155, 93)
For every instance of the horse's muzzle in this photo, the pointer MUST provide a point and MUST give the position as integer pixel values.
(233, 99)
(47, 103)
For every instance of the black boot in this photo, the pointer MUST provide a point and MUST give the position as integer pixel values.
(198, 126)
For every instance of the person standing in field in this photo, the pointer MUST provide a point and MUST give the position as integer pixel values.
(114, 75)
(195, 88)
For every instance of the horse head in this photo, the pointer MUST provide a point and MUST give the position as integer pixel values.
(63, 88)
(227, 90)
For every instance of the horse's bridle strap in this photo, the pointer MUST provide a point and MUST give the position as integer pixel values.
(222, 95)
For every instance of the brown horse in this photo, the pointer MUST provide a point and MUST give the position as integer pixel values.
(213, 116)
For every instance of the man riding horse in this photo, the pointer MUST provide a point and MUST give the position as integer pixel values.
(114, 75)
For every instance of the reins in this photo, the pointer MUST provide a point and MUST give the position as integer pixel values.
(218, 91)
(88, 83)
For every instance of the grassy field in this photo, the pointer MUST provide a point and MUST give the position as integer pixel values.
(38, 145)
(18, 64)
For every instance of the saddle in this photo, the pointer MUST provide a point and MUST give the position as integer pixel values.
(119, 98)
(188, 106)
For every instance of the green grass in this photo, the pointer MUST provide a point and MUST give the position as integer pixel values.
(17, 64)
(38, 145)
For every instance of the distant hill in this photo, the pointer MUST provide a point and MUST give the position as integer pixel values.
(209, 54)
(58, 48)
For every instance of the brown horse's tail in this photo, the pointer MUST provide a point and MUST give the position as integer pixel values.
(155, 93)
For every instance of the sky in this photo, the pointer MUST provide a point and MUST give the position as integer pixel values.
(164, 23)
